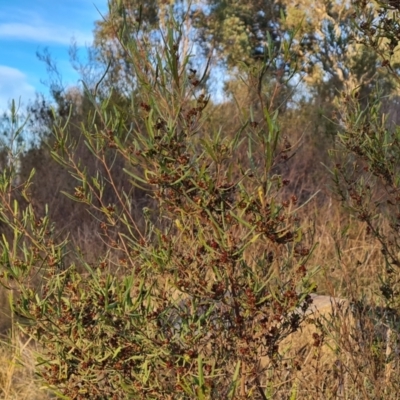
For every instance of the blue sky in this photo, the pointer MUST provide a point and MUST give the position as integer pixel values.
(28, 26)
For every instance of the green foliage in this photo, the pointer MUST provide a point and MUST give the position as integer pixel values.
(193, 300)
(196, 268)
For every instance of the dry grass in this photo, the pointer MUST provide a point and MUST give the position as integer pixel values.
(17, 371)
(337, 353)
(342, 351)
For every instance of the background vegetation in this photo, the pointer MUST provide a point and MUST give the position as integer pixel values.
(166, 224)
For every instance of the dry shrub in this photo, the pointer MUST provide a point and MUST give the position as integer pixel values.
(342, 350)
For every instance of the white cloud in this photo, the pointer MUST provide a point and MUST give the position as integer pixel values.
(14, 85)
(42, 33)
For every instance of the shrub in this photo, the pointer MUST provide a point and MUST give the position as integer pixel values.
(185, 302)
